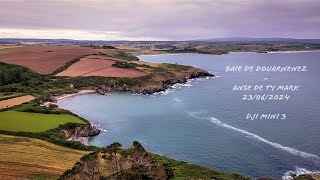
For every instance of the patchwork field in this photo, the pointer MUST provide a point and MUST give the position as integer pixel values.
(98, 66)
(28, 158)
(33, 122)
(15, 101)
(9, 95)
(44, 59)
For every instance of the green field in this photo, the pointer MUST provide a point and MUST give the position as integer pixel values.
(33, 122)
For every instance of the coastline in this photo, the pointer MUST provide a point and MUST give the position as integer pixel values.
(67, 95)
(57, 98)
(266, 52)
(302, 51)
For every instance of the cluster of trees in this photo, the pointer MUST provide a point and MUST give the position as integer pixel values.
(12, 74)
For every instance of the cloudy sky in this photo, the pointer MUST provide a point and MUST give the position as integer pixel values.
(159, 19)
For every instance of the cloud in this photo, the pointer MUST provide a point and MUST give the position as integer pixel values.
(162, 19)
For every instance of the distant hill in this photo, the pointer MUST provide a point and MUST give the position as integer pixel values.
(101, 42)
(250, 39)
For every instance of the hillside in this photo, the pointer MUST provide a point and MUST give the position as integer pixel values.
(136, 163)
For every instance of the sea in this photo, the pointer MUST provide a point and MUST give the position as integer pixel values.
(205, 121)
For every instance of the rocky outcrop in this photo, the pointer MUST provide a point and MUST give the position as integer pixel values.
(153, 88)
(118, 164)
(307, 177)
(80, 133)
(112, 86)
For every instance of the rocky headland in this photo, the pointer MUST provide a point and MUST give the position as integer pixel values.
(80, 133)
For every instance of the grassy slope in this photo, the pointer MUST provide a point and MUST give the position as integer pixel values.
(23, 157)
(33, 122)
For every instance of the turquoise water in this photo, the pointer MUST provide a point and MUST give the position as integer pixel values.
(204, 121)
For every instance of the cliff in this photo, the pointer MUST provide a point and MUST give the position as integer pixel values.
(152, 85)
(80, 133)
(136, 163)
(113, 163)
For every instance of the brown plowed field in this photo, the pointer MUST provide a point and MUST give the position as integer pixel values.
(44, 59)
(15, 101)
(98, 66)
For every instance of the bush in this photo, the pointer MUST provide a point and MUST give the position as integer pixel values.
(123, 64)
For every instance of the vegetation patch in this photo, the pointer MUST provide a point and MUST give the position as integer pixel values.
(182, 170)
(14, 74)
(33, 122)
(124, 64)
(121, 55)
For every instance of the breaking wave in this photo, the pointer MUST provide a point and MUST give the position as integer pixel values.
(99, 126)
(261, 139)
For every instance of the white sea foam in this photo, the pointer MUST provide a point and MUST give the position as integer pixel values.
(307, 51)
(166, 92)
(276, 145)
(177, 100)
(99, 127)
(172, 88)
(297, 172)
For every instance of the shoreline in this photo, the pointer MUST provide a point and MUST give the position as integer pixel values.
(67, 96)
(264, 52)
(298, 51)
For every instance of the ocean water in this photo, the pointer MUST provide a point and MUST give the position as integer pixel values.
(204, 121)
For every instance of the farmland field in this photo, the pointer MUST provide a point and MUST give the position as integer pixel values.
(98, 66)
(33, 122)
(44, 59)
(15, 101)
(9, 95)
(28, 158)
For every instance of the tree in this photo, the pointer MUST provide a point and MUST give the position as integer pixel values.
(136, 144)
(114, 148)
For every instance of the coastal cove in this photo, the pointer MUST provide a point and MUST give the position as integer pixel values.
(203, 121)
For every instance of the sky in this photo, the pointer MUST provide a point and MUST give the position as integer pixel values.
(159, 19)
